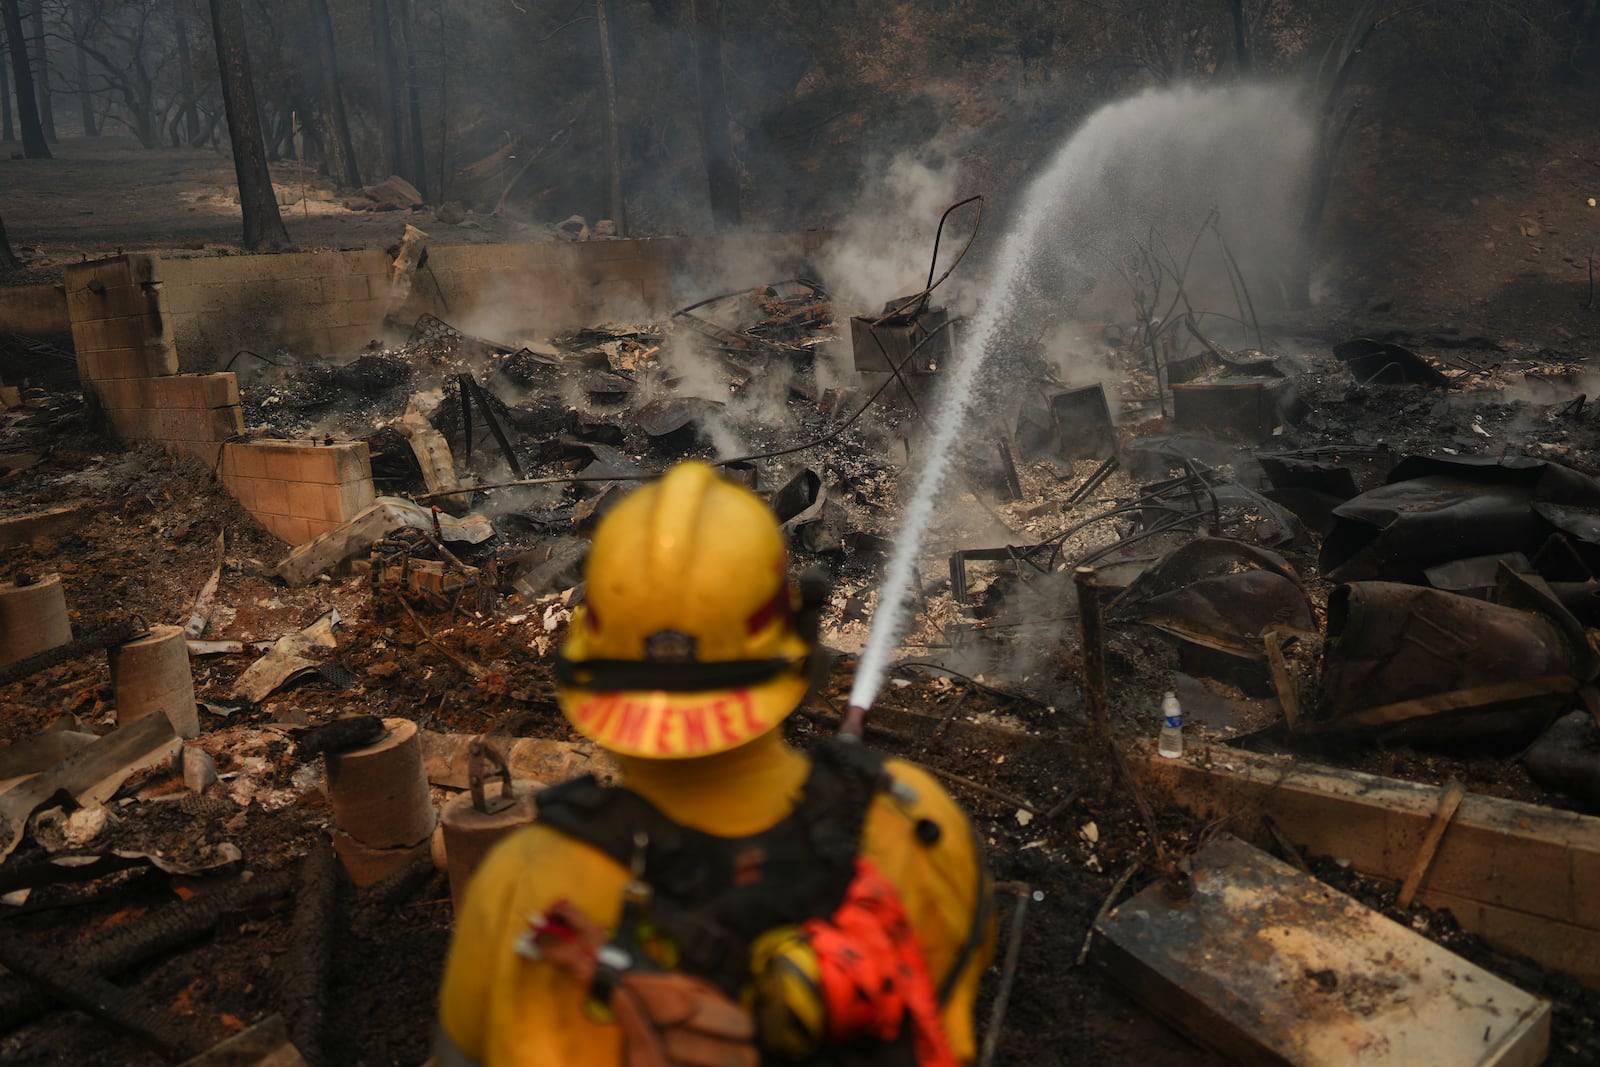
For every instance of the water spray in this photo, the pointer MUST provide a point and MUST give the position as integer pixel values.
(1113, 171)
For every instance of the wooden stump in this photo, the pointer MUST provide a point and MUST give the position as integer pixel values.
(469, 834)
(380, 793)
(33, 618)
(152, 674)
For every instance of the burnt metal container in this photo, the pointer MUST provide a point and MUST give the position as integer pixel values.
(921, 337)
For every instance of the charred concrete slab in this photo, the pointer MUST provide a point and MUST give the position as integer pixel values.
(1270, 966)
(1516, 874)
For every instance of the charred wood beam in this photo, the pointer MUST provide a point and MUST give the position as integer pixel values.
(139, 942)
(117, 633)
(470, 384)
(307, 964)
(382, 897)
(98, 998)
(1094, 651)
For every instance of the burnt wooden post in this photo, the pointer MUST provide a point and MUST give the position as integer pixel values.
(1094, 650)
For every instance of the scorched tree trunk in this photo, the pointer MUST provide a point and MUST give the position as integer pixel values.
(262, 224)
(33, 142)
(341, 149)
(41, 72)
(716, 140)
(8, 258)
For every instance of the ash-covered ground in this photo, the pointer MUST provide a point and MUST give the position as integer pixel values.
(986, 687)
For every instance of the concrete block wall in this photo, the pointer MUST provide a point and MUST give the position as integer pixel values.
(296, 489)
(334, 303)
(324, 302)
(128, 361)
(193, 413)
(34, 310)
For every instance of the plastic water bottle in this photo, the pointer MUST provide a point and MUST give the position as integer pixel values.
(1171, 743)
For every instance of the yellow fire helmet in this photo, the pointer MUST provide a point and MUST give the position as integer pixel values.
(685, 644)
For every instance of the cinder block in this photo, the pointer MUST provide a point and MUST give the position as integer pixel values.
(129, 331)
(178, 391)
(294, 529)
(220, 424)
(317, 464)
(272, 496)
(366, 313)
(112, 272)
(204, 451)
(221, 389)
(346, 288)
(306, 501)
(608, 253)
(352, 462)
(169, 425)
(161, 358)
(112, 302)
(1585, 872)
(119, 363)
(133, 424)
(154, 355)
(274, 459)
(344, 502)
(345, 339)
(119, 393)
(248, 460)
(241, 489)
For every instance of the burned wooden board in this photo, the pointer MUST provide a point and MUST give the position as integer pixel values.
(1270, 966)
(1518, 875)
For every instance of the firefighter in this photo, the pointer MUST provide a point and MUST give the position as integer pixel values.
(732, 901)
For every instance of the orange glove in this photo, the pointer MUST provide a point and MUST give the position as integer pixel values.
(668, 1019)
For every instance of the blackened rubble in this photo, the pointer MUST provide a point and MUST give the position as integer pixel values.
(1210, 550)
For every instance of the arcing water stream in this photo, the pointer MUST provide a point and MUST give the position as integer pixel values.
(1157, 161)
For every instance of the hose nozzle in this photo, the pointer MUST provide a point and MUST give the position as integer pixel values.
(855, 722)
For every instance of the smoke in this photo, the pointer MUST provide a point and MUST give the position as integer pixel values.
(1127, 194)
(882, 249)
(1166, 162)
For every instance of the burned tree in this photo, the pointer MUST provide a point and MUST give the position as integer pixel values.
(388, 77)
(341, 149)
(614, 205)
(7, 131)
(34, 145)
(716, 139)
(186, 85)
(8, 258)
(258, 201)
(416, 170)
(41, 72)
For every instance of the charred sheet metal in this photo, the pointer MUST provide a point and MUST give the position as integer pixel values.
(672, 423)
(916, 339)
(1379, 363)
(1071, 425)
(1566, 757)
(1425, 666)
(1217, 596)
(1248, 409)
(1435, 510)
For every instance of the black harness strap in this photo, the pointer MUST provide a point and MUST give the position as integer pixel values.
(713, 895)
